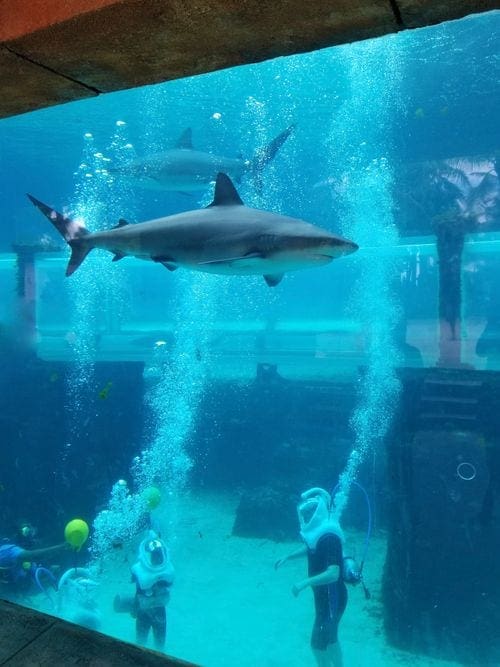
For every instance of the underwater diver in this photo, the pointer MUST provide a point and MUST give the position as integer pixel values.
(77, 598)
(18, 569)
(328, 572)
(26, 535)
(153, 575)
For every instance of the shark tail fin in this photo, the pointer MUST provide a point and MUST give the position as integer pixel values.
(73, 232)
(79, 250)
(265, 155)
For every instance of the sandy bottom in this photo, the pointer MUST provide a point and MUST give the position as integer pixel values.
(230, 607)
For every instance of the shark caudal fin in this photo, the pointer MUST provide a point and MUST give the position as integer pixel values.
(73, 232)
(265, 155)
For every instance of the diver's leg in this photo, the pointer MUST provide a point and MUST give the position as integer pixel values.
(142, 625)
(335, 655)
(319, 642)
(159, 623)
(330, 657)
(321, 657)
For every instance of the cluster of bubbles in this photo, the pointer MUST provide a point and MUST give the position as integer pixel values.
(97, 281)
(98, 305)
(362, 129)
(175, 381)
(177, 375)
(124, 515)
(85, 286)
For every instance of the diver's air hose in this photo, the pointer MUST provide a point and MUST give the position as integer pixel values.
(36, 576)
(73, 573)
(368, 532)
(43, 570)
(370, 519)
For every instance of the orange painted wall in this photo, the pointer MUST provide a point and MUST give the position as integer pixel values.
(21, 17)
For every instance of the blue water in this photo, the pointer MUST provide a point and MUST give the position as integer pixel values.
(228, 395)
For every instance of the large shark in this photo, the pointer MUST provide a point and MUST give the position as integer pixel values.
(184, 169)
(226, 237)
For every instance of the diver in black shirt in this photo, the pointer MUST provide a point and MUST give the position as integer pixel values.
(323, 547)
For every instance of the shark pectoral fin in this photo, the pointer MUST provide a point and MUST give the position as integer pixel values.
(118, 256)
(273, 279)
(167, 262)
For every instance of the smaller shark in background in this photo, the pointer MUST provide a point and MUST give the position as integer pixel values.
(184, 169)
(226, 237)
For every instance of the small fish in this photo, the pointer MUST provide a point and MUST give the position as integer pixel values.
(103, 394)
(54, 377)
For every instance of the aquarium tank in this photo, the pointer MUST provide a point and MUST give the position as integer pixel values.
(278, 442)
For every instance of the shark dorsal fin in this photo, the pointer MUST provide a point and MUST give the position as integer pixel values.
(225, 193)
(185, 140)
(122, 222)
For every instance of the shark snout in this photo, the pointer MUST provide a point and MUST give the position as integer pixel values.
(339, 247)
(350, 247)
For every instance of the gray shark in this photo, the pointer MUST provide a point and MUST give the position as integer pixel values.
(184, 169)
(226, 237)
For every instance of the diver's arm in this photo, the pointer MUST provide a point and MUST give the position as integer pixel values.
(299, 553)
(29, 554)
(329, 576)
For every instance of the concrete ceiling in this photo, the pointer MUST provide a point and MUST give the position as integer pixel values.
(56, 52)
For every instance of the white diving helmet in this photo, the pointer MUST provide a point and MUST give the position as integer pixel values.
(154, 563)
(315, 516)
(153, 553)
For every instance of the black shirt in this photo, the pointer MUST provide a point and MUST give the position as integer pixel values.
(328, 552)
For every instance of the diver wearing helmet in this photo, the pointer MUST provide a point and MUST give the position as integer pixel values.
(323, 547)
(19, 568)
(153, 575)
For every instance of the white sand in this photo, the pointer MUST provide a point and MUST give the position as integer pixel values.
(230, 607)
